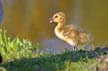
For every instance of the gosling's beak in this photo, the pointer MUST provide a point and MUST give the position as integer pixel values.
(50, 20)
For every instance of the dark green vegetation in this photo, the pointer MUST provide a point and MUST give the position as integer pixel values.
(22, 55)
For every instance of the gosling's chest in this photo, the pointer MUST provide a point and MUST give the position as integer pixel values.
(65, 38)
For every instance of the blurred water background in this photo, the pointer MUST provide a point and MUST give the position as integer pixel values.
(29, 19)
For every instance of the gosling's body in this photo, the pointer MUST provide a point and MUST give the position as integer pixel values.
(65, 33)
(71, 34)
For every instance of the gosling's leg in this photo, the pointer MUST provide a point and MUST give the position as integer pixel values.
(74, 48)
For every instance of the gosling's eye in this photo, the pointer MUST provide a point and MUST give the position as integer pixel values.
(55, 16)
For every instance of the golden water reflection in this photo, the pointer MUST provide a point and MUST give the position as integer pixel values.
(29, 18)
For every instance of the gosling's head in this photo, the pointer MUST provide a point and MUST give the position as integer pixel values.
(58, 17)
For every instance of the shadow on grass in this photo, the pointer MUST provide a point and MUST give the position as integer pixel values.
(53, 62)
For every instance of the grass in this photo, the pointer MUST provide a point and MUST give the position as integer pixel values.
(22, 55)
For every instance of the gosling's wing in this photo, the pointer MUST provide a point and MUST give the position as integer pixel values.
(76, 27)
(69, 30)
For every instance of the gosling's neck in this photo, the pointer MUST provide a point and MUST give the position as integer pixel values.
(59, 27)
